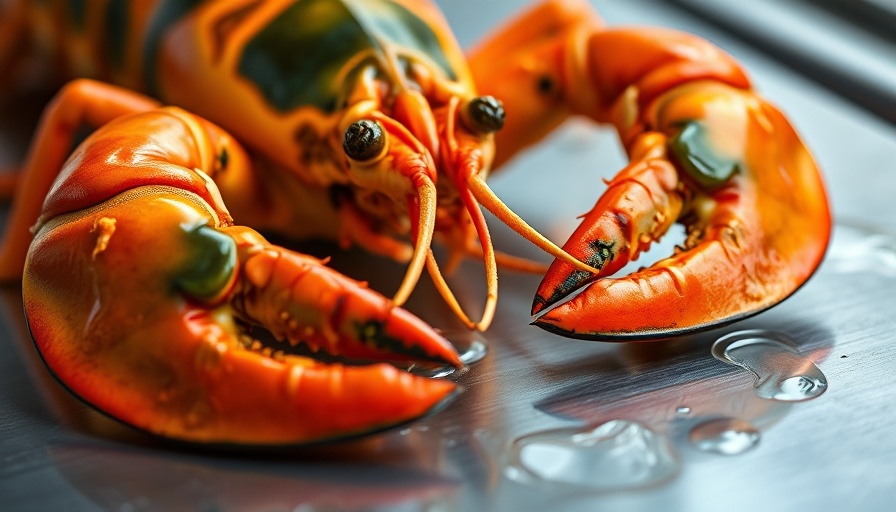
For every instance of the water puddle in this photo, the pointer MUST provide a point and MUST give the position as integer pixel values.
(471, 346)
(616, 455)
(724, 436)
(705, 414)
(781, 372)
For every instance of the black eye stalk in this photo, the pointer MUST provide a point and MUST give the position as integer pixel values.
(363, 140)
(486, 114)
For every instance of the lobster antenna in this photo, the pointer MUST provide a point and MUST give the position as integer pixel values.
(441, 285)
(515, 263)
(505, 261)
(492, 203)
(488, 257)
(424, 212)
(444, 290)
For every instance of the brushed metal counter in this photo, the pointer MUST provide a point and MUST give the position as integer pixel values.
(834, 452)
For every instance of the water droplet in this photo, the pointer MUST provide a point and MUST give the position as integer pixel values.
(682, 411)
(801, 387)
(725, 436)
(781, 372)
(613, 456)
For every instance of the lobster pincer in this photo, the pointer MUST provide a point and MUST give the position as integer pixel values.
(755, 217)
(705, 151)
(141, 295)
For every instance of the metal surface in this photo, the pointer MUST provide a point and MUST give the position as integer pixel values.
(834, 452)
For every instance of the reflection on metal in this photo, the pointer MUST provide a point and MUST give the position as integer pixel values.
(616, 455)
(860, 250)
(122, 477)
(781, 372)
(681, 394)
(682, 411)
(724, 436)
(471, 345)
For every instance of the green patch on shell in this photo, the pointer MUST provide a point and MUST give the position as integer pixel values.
(210, 265)
(695, 156)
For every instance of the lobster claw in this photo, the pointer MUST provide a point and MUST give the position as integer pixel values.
(160, 342)
(731, 169)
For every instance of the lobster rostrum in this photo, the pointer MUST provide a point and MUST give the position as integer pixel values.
(362, 121)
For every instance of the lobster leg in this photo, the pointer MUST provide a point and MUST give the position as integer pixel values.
(141, 296)
(705, 151)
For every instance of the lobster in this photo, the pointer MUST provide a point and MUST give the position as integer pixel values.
(361, 121)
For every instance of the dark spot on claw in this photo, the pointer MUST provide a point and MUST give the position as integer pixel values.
(602, 252)
(373, 335)
(572, 282)
(370, 332)
(546, 85)
(540, 304)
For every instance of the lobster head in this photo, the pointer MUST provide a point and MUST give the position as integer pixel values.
(417, 168)
(375, 100)
(425, 160)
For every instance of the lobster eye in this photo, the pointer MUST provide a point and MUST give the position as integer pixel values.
(486, 114)
(363, 140)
